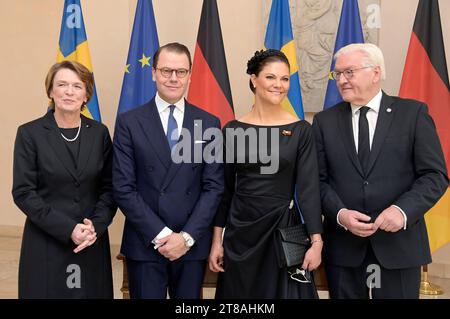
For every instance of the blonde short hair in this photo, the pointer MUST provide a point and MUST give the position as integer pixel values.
(374, 56)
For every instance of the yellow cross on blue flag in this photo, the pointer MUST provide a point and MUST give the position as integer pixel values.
(279, 36)
(73, 45)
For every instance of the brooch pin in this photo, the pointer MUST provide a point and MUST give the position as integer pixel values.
(389, 110)
(286, 133)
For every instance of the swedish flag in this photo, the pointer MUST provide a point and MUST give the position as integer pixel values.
(279, 36)
(73, 45)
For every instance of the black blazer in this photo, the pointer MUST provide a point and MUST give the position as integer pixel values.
(55, 197)
(406, 168)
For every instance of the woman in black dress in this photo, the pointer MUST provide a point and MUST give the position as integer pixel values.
(269, 156)
(62, 183)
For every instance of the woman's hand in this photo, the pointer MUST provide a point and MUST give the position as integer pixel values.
(84, 235)
(313, 256)
(215, 259)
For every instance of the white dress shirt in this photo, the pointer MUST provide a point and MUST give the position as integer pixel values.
(372, 117)
(178, 114)
(164, 111)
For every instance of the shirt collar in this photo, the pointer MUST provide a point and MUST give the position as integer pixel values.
(163, 105)
(374, 104)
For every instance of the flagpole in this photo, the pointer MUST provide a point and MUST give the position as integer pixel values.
(426, 287)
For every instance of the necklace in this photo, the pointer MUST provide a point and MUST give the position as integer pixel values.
(76, 136)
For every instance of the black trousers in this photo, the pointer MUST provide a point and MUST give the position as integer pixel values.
(357, 282)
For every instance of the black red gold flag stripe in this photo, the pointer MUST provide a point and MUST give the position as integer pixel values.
(210, 85)
(425, 78)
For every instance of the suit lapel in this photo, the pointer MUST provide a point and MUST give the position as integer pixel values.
(384, 122)
(152, 127)
(57, 144)
(85, 144)
(188, 124)
(345, 126)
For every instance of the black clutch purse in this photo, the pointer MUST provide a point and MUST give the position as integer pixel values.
(293, 243)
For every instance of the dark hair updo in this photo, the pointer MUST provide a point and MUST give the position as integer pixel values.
(261, 58)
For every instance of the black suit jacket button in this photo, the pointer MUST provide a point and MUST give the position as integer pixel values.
(77, 184)
(188, 193)
(366, 183)
(162, 193)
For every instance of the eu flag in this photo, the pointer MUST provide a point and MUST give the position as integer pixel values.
(279, 36)
(349, 31)
(73, 45)
(138, 87)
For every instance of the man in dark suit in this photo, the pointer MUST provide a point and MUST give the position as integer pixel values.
(169, 206)
(381, 169)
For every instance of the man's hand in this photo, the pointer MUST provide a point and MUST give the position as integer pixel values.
(357, 223)
(173, 246)
(390, 220)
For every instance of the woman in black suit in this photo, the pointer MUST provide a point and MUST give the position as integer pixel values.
(62, 182)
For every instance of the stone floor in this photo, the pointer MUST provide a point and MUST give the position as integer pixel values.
(10, 239)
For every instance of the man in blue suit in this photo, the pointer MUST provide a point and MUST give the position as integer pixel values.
(169, 206)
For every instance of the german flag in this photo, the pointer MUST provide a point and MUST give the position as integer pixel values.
(210, 86)
(425, 78)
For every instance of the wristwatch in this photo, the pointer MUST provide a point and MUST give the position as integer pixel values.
(189, 241)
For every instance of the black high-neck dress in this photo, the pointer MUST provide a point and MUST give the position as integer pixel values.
(256, 202)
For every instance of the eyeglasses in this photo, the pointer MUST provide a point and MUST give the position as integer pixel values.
(300, 275)
(348, 74)
(167, 73)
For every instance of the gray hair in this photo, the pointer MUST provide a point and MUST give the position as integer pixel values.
(374, 56)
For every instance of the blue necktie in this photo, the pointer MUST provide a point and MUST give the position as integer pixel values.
(171, 126)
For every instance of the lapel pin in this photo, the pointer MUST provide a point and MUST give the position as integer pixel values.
(389, 110)
(286, 132)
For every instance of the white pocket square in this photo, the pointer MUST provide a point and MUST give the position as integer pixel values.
(199, 142)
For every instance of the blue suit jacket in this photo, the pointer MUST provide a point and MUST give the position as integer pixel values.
(153, 192)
